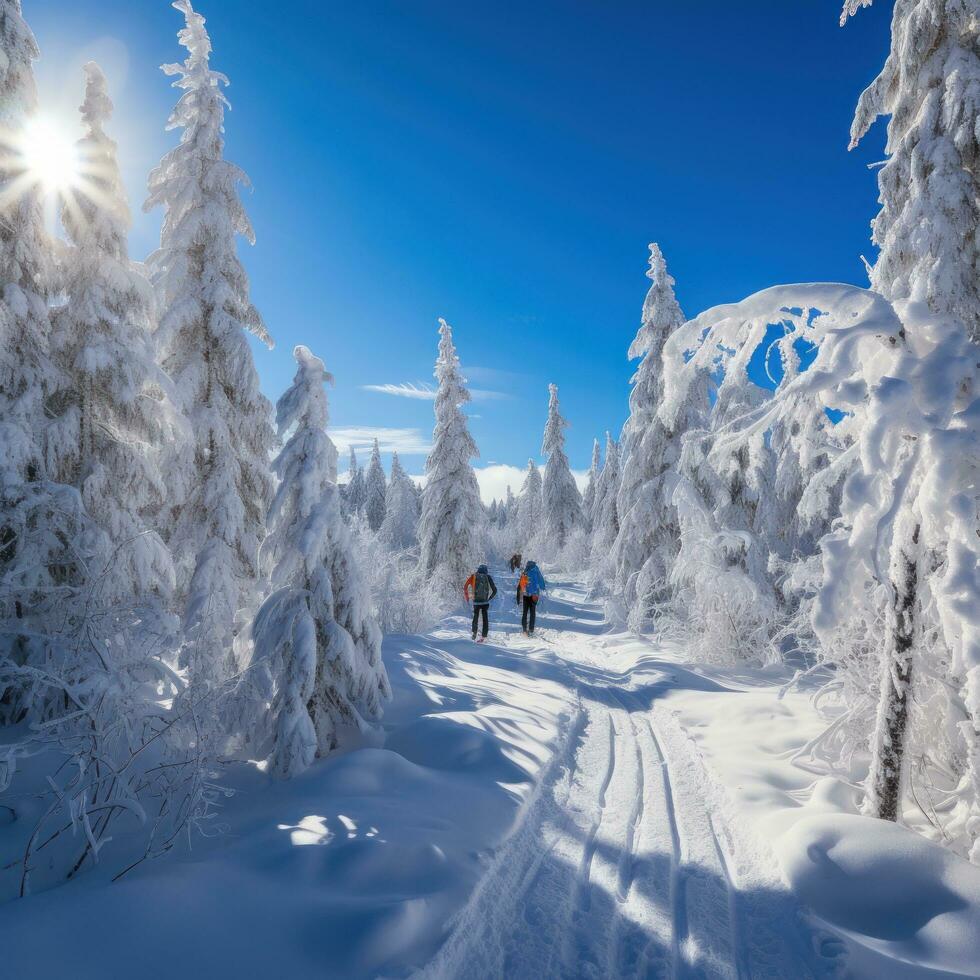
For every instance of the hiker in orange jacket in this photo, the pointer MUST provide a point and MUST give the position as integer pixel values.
(529, 591)
(484, 591)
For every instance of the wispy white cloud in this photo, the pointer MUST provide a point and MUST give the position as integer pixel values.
(426, 392)
(405, 442)
(406, 389)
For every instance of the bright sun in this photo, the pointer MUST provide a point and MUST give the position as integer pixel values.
(50, 156)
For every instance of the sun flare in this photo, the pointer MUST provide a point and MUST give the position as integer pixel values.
(50, 156)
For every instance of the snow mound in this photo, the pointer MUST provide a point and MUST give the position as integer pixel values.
(888, 888)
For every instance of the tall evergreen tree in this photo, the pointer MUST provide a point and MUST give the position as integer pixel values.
(354, 490)
(375, 490)
(222, 484)
(529, 507)
(562, 501)
(111, 407)
(315, 633)
(509, 508)
(399, 532)
(27, 376)
(588, 499)
(650, 445)
(605, 516)
(452, 522)
(40, 521)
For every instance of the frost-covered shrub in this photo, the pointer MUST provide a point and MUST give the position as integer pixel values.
(405, 599)
(719, 609)
(108, 746)
(575, 556)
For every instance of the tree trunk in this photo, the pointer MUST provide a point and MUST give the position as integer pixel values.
(888, 750)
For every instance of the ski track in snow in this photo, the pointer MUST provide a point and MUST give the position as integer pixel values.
(621, 865)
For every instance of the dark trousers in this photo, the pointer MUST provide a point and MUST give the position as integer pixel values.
(530, 611)
(486, 619)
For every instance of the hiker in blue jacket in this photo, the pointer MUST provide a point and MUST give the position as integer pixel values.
(529, 590)
(484, 592)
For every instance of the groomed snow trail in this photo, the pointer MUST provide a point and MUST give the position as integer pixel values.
(620, 865)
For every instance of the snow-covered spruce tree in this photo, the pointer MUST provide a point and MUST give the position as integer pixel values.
(650, 449)
(562, 503)
(930, 185)
(529, 523)
(375, 490)
(509, 508)
(927, 232)
(399, 532)
(588, 498)
(27, 376)
(112, 414)
(314, 633)
(354, 488)
(221, 483)
(40, 522)
(605, 515)
(451, 527)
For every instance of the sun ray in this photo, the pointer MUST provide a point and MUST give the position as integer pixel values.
(50, 156)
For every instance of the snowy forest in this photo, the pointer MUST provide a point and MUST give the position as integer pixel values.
(190, 585)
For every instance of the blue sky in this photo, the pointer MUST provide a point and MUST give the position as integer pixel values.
(502, 164)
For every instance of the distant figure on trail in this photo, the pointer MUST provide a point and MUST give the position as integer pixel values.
(529, 590)
(515, 563)
(484, 590)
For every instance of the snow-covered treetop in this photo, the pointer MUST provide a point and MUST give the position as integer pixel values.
(554, 430)
(930, 185)
(304, 404)
(96, 107)
(661, 317)
(198, 186)
(452, 393)
(532, 479)
(661, 311)
(98, 215)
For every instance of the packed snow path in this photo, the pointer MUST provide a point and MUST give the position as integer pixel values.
(619, 867)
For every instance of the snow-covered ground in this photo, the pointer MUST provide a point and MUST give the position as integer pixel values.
(582, 804)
